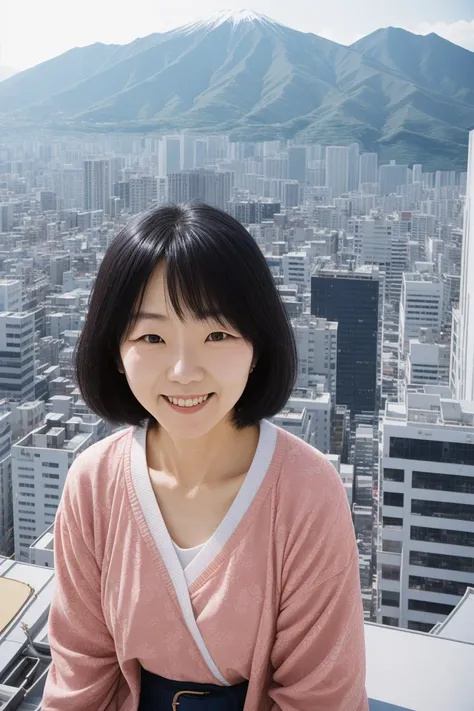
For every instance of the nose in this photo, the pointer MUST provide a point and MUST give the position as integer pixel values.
(185, 368)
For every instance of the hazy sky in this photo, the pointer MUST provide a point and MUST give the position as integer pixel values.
(32, 31)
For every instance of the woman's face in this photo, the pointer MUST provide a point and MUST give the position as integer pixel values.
(187, 374)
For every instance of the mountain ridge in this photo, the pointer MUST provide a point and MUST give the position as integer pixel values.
(406, 96)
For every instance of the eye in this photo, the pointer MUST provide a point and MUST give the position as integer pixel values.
(152, 338)
(218, 336)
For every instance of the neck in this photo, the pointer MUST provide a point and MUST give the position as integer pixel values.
(221, 454)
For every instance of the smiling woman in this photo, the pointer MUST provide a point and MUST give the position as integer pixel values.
(204, 557)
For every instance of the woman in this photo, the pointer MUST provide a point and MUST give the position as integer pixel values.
(205, 559)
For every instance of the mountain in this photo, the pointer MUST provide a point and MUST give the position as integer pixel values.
(6, 72)
(406, 96)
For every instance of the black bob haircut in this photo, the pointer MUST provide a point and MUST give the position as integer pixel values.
(213, 265)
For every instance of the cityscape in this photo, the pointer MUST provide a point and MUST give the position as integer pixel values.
(374, 261)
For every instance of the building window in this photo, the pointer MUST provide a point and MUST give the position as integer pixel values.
(443, 482)
(390, 572)
(394, 475)
(419, 626)
(444, 562)
(442, 535)
(432, 451)
(435, 608)
(437, 585)
(390, 621)
(392, 522)
(391, 498)
(391, 546)
(390, 598)
(442, 509)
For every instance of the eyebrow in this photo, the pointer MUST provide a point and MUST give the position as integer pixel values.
(149, 315)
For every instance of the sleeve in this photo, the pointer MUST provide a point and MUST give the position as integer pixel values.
(85, 673)
(319, 651)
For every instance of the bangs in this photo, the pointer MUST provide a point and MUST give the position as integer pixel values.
(202, 280)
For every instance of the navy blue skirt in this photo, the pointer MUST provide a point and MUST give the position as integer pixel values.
(160, 694)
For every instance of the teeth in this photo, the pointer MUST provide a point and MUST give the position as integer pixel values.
(181, 402)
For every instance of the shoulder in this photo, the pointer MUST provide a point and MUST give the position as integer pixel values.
(95, 471)
(307, 477)
(313, 523)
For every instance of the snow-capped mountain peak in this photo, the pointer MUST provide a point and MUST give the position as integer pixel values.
(235, 17)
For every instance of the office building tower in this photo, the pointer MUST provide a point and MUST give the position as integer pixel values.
(17, 370)
(353, 167)
(368, 168)
(143, 193)
(463, 318)
(393, 178)
(421, 308)
(297, 163)
(97, 184)
(6, 500)
(6, 216)
(426, 553)
(352, 298)
(291, 193)
(169, 155)
(378, 241)
(417, 173)
(11, 298)
(427, 362)
(296, 270)
(316, 345)
(40, 462)
(337, 169)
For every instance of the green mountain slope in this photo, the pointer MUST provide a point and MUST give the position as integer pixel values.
(406, 96)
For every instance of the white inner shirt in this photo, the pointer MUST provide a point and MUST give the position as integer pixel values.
(186, 555)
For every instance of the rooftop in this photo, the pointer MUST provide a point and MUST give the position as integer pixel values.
(406, 671)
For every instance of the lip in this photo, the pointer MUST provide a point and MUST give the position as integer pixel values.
(187, 410)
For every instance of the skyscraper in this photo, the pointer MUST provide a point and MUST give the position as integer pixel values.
(352, 299)
(337, 169)
(297, 163)
(97, 184)
(463, 348)
(368, 168)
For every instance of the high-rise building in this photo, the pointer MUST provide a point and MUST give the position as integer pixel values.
(353, 167)
(6, 500)
(97, 184)
(17, 363)
(463, 348)
(143, 193)
(378, 241)
(316, 345)
(169, 155)
(40, 462)
(352, 298)
(421, 307)
(392, 178)
(368, 168)
(426, 553)
(297, 163)
(337, 169)
(10, 295)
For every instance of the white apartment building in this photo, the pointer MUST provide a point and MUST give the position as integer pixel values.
(6, 509)
(10, 295)
(337, 169)
(378, 241)
(296, 269)
(307, 415)
(426, 517)
(97, 184)
(40, 462)
(17, 356)
(427, 363)
(143, 193)
(421, 307)
(316, 345)
(462, 369)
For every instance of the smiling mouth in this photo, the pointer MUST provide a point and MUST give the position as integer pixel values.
(188, 401)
